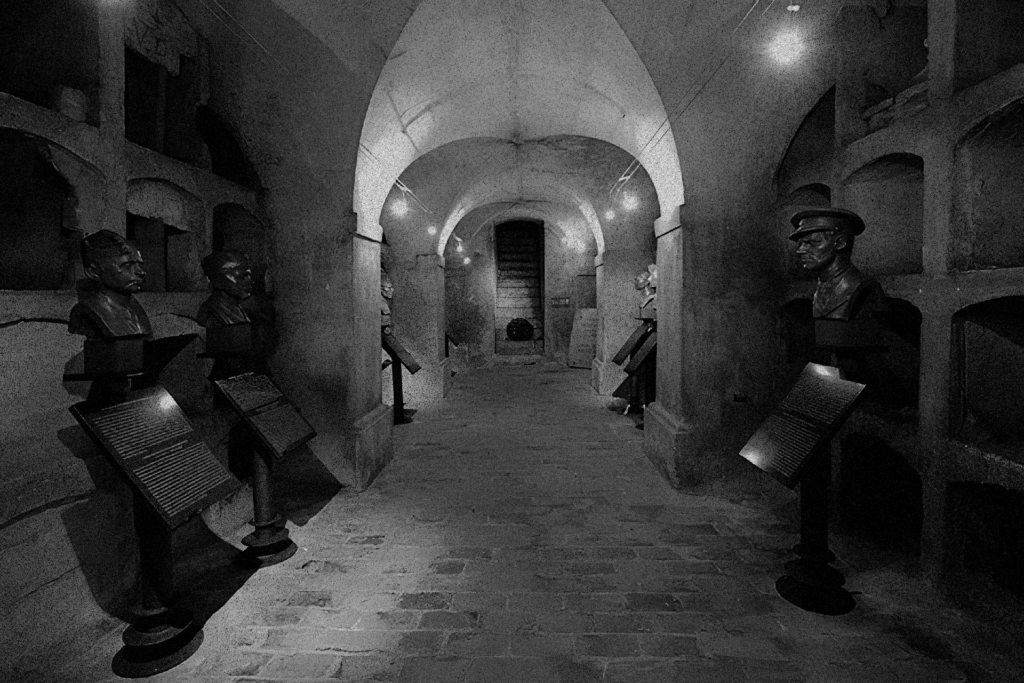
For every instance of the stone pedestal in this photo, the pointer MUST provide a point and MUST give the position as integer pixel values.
(605, 376)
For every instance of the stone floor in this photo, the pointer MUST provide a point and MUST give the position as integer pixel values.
(520, 535)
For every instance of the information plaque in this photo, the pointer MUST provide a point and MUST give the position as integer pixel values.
(396, 350)
(633, 343)
(149, 437)
(807, 418)
(268, 413)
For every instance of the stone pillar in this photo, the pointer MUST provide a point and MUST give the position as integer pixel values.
(667, 429)
(418, 316)
(942, 24)
(328, 359)
(111, 94)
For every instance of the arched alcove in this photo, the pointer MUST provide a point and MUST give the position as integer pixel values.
(227, 159)
(988, 375)
(49, 55)
(168, 225)
(814, 139)
(888, 193)
(987, 39)
(986, 523)
(987, 198)
(38, 236)
(813, 195)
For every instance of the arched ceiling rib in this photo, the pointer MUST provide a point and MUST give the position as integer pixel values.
(566, 174)
(517, 71)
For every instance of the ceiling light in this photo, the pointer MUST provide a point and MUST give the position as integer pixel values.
(465, 260)
(432, 230)
(609, 214)
(400, 207)
(630, 202)
(458, 248)
(794, 8)
(787, 47)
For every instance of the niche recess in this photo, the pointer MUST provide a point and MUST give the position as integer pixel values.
(226, 156)
(49, 51)
(988, 376)
(888, 194)
(160, 106)
(814, 139)
(36, 217)
(987, 525)
(987, 39)
(988, 202)
(164, 221)
(879, 496)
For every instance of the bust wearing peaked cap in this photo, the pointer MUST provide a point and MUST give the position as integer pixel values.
(824, 242)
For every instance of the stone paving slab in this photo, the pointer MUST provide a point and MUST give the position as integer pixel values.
(520, 535)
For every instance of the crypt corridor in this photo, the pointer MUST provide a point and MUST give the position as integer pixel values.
(520, 536)
(517, 528)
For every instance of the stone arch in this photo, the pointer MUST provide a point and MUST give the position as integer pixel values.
(429, 95)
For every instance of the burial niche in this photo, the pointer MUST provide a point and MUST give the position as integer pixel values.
(988, 376)
(37, 243)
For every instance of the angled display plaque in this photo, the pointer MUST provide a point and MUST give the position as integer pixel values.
(806, 419)
(149, 438)
(271, 416)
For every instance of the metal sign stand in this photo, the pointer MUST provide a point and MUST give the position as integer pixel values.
(400, 356)
(794, 445)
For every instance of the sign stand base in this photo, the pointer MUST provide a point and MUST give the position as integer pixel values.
(161, 635)
(809, 582)
(269, 544)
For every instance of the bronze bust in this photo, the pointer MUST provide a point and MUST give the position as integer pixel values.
(387, 293)
(824, 242)
(647, 282)
(231, 280)
(110, 311)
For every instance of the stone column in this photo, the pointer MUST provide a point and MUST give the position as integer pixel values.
(111, 94)
(666, 427)
(418, 316)
(328, 359)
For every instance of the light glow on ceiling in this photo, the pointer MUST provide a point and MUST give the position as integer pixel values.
(630, 202)
(432, 230)
(609, 214)
(400, 207)
(787, 47)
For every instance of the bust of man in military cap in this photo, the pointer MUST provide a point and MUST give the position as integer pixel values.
(824, 242)
(647, 282)
(116, 269)
(231, 280)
